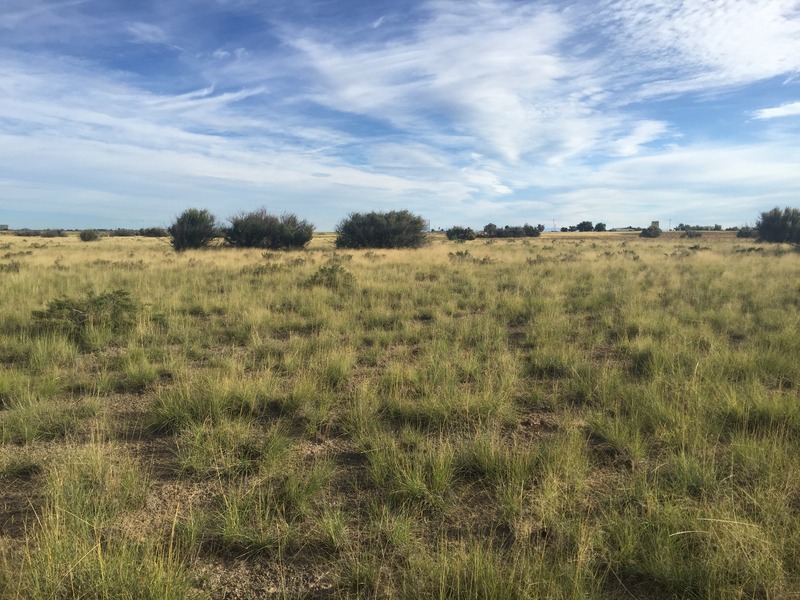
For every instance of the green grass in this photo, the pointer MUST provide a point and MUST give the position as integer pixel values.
(592, 416)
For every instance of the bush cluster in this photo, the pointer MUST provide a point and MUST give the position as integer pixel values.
(684, 227)
(394, 229)
(460, 233)
(780, 226)
(493, 231)
(260, 229)
(46, 233)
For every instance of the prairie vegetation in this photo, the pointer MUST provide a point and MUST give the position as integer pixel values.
(568, 416)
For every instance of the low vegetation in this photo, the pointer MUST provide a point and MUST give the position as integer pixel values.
(584, 416)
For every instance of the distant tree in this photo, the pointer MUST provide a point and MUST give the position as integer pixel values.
(746, 232)
(512, 231)
(781, 226)
(260, 229)
(650, 232)
(585, 226)
(156, 232)
(194, 228)
(394, 229)
(460, 233)
(600, 227)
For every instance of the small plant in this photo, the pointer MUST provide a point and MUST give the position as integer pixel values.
(76, 316)
(332, 276)
(10, 267)
(89, 235)
(194, 228)
(691, 233)
(459, 256)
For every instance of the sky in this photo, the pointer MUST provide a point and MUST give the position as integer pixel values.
(124, 114)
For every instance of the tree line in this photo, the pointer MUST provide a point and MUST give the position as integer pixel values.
(198, 228)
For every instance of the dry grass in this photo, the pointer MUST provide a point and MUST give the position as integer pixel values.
(572, 416)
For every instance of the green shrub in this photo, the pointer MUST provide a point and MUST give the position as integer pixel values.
(89, 235)
(75, 316)
(746, 232)
(260, 229)
(157, 232)
(651, 232)
(780, 226)
(395, 229)
(332, 276)
(194, 228)
(121, 232)
(460, 233)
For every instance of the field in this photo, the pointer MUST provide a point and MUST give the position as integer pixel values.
(572, 416)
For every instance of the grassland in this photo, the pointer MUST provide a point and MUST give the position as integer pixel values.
(573, 416)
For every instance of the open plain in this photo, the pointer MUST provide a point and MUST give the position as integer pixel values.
(569, 416)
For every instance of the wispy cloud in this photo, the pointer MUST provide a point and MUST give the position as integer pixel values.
(460, 109)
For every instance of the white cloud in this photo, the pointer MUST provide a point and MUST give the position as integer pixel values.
(790, 109)
(643, 133)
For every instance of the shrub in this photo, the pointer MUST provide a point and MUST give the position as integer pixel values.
(780, 226)
(156, 232)
(121, 232)
(746, 232)
(260, 229)
(47, 233)
(691, 233)
(75, 316)
(332, 276)
(651, 232)
(460, 233)
(394, 229)
(89, 235)
(600, 227)
(194, 228)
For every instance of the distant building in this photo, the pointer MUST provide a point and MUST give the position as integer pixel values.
(655, 224)
(3, 227)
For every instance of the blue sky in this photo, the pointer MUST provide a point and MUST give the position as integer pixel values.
(123, 114)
